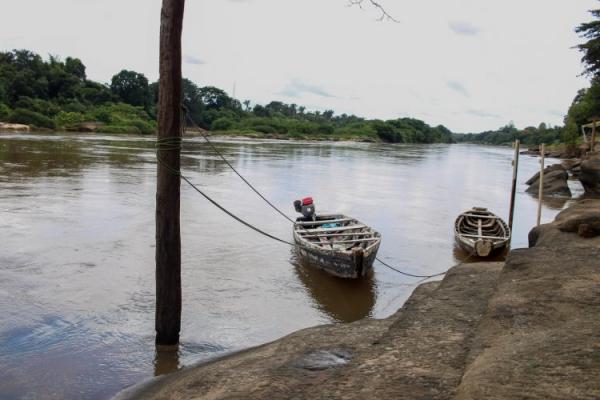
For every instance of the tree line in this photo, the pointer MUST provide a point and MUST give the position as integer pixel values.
(56, 94)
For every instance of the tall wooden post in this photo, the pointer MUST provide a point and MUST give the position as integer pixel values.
(593, 144)
(168, 238)
(514, 186)
(541, 182)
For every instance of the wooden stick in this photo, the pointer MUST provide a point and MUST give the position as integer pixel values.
(339, 234)
(541, 189)
(593, 144)
(344, 228)
(483, 237)
(168, 236)
(349, 241)
(514, 185)
(322, 222)
(480, 216)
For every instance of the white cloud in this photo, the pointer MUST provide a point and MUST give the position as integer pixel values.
(296, 88)
(464, 28)
(188, 59)
(458, 87)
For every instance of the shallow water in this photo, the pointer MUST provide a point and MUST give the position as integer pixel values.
(77, 251)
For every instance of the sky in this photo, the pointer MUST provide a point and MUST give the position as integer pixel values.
(471, 65)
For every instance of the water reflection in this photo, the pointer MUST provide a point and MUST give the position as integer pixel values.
(344, 300)
(166, 360)
(462, 257)
(552, 202)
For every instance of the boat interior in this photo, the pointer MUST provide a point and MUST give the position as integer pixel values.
(337, 232)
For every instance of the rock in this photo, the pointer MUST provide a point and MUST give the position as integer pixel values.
(590, 175)
(586, 231)
(89, 126)
(14, 127)
(555, 181)
(323, 359)
(549, 168)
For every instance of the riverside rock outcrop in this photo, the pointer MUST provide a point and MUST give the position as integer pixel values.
(5, 126)
(590, 174)
(555, 181)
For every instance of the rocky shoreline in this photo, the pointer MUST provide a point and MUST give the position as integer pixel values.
(526, 328)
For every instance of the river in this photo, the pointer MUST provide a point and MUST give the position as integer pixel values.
(77, 246)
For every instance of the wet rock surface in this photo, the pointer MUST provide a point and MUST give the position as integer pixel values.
(526, 329)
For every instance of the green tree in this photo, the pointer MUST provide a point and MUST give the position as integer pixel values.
(132, 88)
(74, 67)
(215, 98)
(591, 48)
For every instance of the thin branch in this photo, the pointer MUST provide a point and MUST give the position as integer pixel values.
(384, 14)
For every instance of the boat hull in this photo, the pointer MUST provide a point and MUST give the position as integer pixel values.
(346, 250)
(336, 264)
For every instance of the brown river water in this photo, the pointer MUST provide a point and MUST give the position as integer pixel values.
(77, 251)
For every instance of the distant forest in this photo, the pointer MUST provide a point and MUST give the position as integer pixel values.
(56, 94)
(530, 136)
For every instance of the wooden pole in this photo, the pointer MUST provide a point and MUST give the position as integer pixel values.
(593, 143)
(541, 189)
(168, 237)
(514, 186)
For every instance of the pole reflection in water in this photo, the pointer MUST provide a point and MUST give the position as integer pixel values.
(344, 300)
(166, 360)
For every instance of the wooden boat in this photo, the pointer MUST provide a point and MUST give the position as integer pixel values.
(338, 244)
(481, 232)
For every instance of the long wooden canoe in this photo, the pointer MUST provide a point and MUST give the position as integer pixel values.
(481, 232)
(338, 244)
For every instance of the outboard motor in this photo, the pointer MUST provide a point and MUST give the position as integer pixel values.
(306, 207)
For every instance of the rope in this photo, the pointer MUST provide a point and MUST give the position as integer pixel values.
(235, 170)
(175, 142)
(424, 276)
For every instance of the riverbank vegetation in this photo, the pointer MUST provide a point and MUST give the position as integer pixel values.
(56, 94)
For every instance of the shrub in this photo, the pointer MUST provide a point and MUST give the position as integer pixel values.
(66, 119)
(39, 106)
(222, 124)
(27, 117)
(4, 112)
(264, 129)
(120, 129)
(145, 127)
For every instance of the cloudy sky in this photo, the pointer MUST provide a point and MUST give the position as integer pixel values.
(471, 65)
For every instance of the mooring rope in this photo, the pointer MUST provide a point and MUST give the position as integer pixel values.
(175, 143)
(235, 170)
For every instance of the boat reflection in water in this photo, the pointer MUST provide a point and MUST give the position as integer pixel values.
(344, 300)
(462, 257)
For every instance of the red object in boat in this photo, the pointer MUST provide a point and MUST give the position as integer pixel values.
(307, 201)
